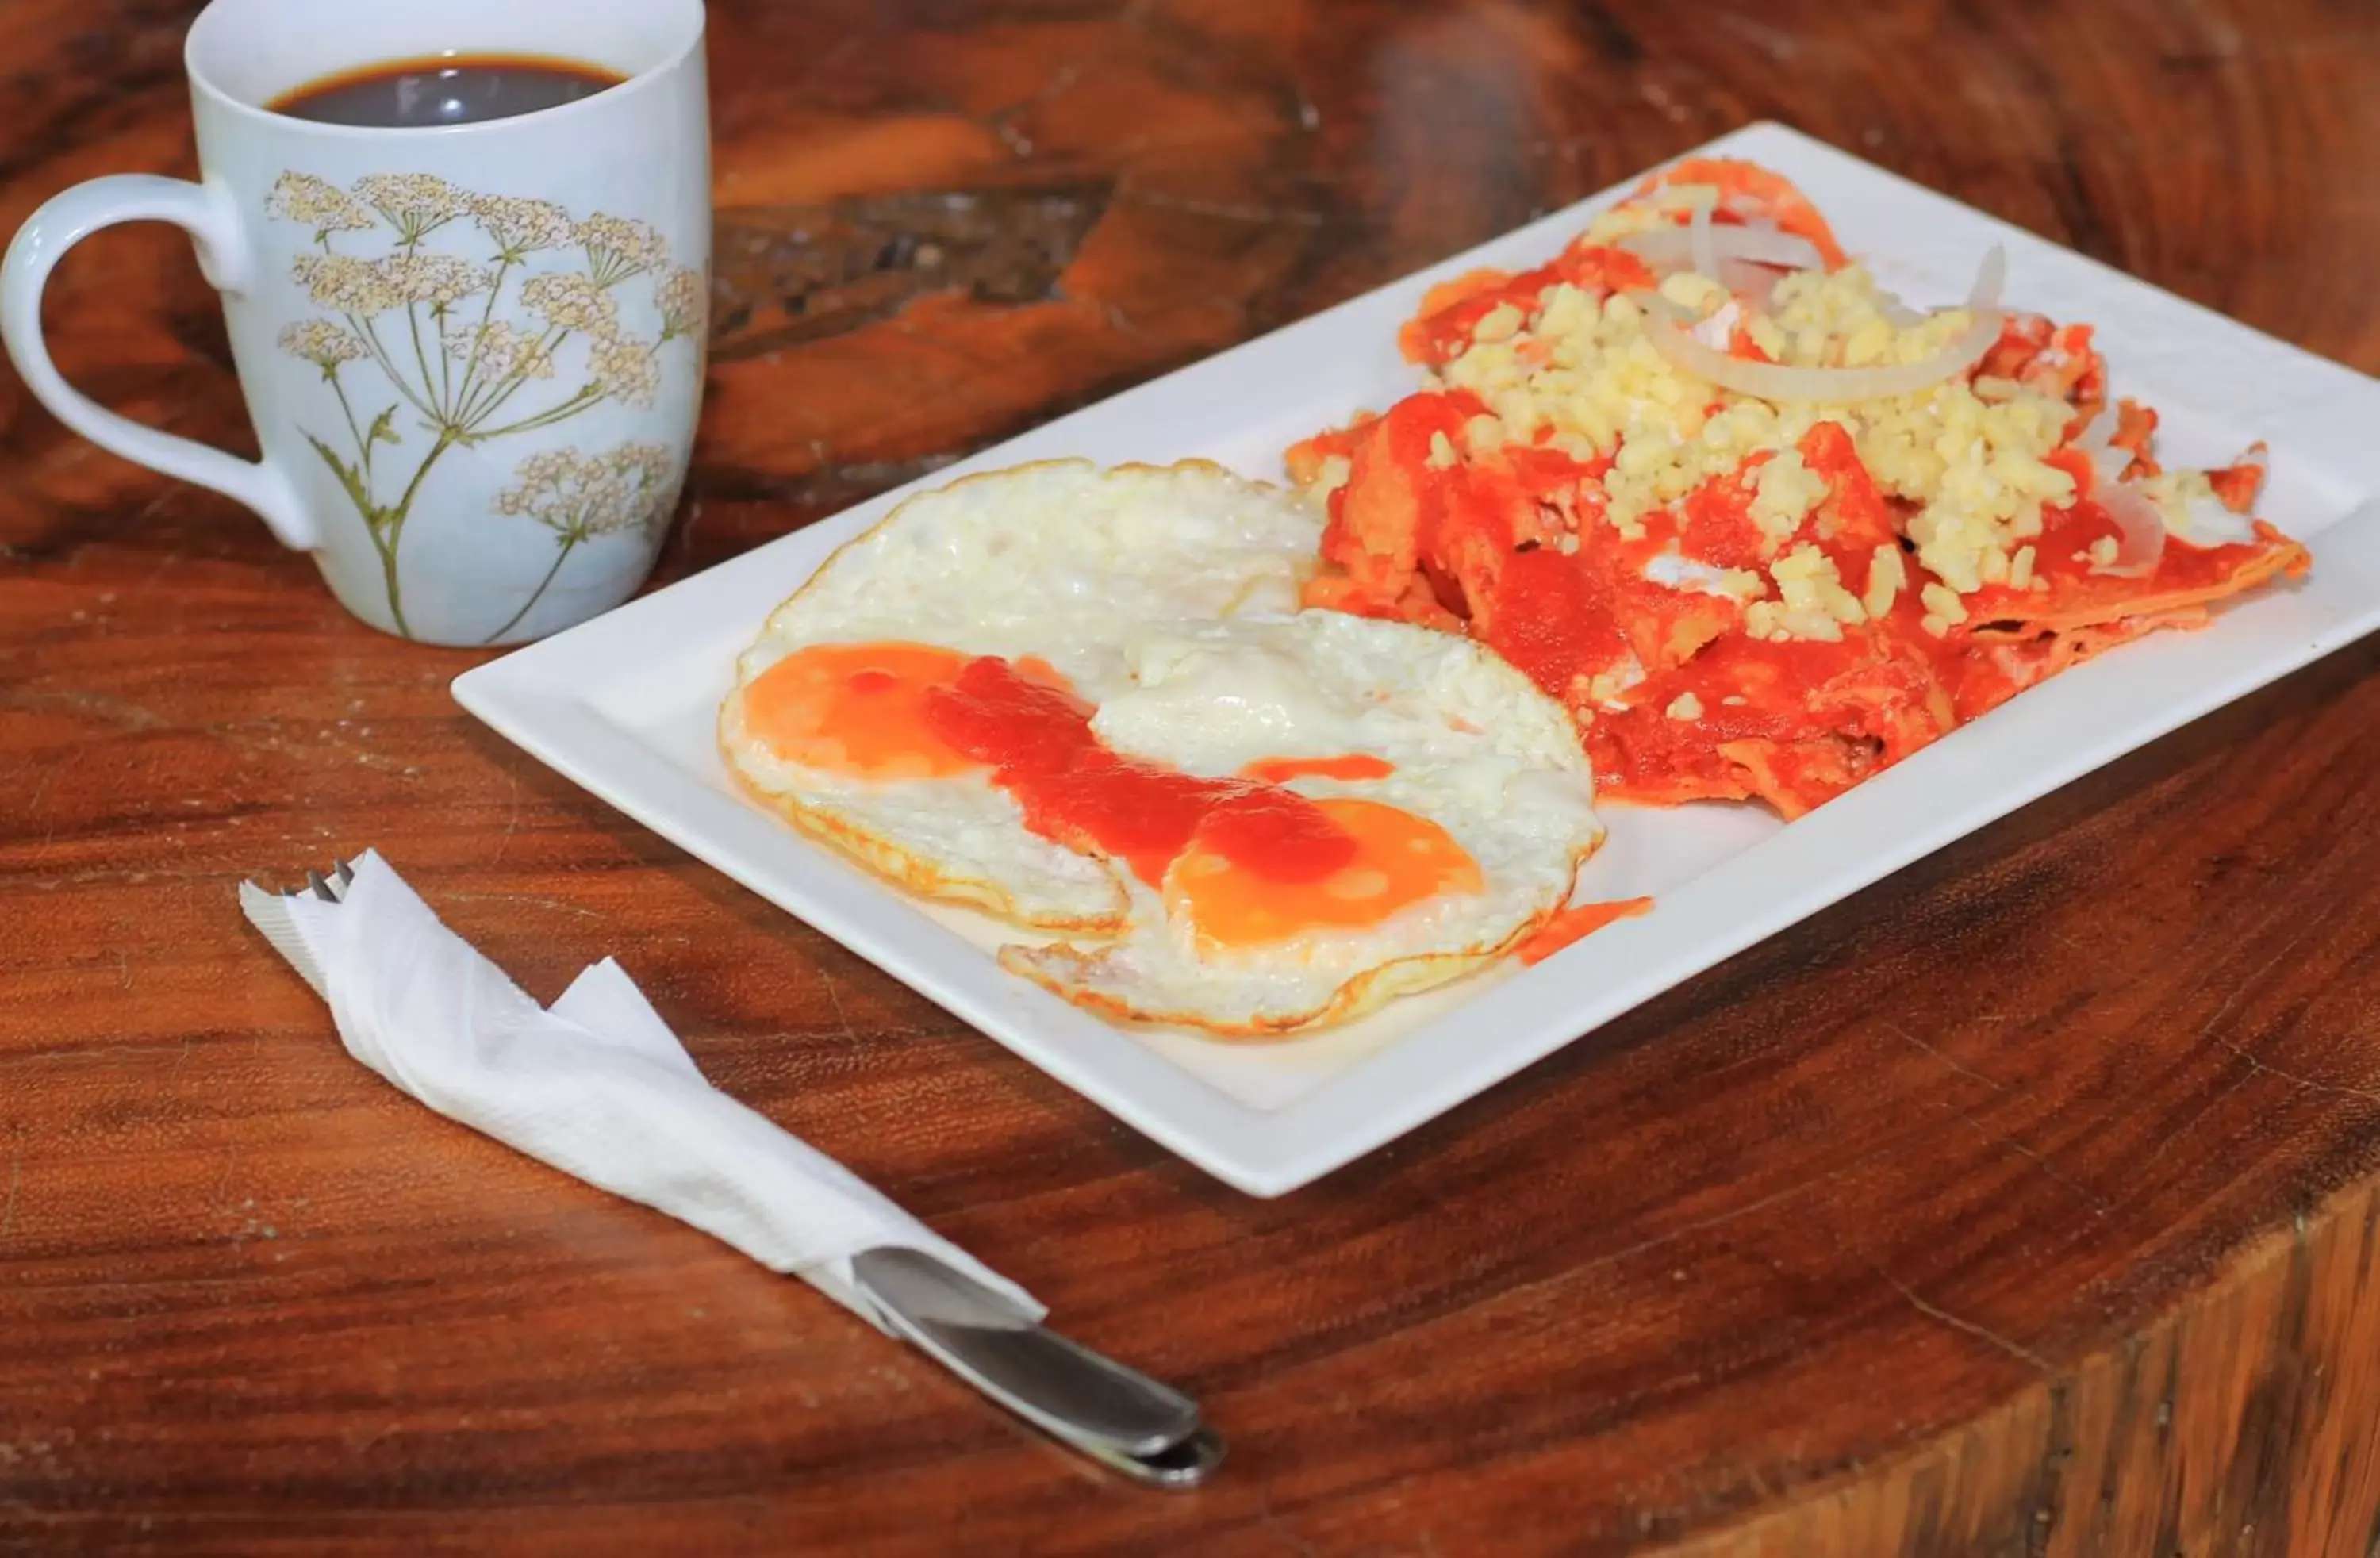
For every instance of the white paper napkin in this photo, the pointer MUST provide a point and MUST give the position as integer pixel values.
(596, 1085)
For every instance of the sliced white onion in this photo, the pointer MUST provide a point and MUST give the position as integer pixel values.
(2207, 522)
(2202, 517)
(1759, 246)
(1754, 284)
(1698, 239)
(1664, 327)
(1990, 277)
(1833, 387)
(1897, 314)
(2094, 440)
(2140, 525)
(1719, 329)
(2106, 458)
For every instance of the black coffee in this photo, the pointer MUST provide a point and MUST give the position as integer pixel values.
(444, 89)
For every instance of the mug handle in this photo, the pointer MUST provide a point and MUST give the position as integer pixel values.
(65, 220)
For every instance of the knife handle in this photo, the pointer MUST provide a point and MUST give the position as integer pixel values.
(1115, 1414)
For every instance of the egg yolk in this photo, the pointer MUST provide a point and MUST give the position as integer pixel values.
(1399, 859)
(1244, 858)
(1077, 790)
(1354, 766)
(860, 709)
(1290, 861)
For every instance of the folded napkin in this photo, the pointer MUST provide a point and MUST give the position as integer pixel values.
(596, 1085)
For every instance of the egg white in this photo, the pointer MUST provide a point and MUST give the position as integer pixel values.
(1062, 560)
(1477, 748)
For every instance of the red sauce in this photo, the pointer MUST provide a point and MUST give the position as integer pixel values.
(1748, 190)
(2076, 465)
(2184, 567)
(1446, 334)
(1854, 501)
(2236, 486)
(1453, 311)
(1354, 766)
(1579, 920)
(1079, 792)
(2065, 533)
(1718, 527)
(1741, 343)
(1783, 697)
(1549, 474)
(1600, 269)
(2023, 338)
(1547, 623)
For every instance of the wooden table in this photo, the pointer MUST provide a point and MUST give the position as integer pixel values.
(2027, 1203)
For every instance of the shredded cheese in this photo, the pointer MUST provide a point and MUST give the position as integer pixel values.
(1886, 574)
(1944, 610)
(1970, 457)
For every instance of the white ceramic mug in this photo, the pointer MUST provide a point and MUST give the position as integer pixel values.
(474, 352)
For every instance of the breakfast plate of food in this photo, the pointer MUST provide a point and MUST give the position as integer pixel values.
(1283, 751)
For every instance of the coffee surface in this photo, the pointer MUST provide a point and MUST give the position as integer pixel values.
(444, 89)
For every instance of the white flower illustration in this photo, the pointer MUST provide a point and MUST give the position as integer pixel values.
(619, 246)
(502, 351)
(317, 203)
(684, 305)
(346, 283)
(578, 497)
(521, 225)
(438, 279)
(320, 342)
(625, 368)
(413, 202)
(570, 302)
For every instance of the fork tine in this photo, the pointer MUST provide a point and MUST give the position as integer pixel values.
(322, 888)
(342, 878)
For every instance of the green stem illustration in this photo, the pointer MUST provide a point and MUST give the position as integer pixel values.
(394, 520)
(561, 555)
(354, 429)
(546, 418)
(389, 581)
(404, 504)
(371, 337)
(504, 389)
(463, 390)
(413, 326)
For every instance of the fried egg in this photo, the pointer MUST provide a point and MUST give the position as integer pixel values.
(1053, 566)
(1463, 787)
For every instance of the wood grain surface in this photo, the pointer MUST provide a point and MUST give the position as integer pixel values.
(2027, 1203)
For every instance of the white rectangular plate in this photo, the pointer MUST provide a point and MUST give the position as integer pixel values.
(623, 705)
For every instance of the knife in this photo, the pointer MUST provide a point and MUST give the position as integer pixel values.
(1116, 1415)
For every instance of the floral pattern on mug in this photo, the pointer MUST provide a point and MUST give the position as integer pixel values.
(469, 342)
(579, 497)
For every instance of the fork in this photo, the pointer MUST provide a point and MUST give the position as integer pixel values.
(1117, 1416)
(330, 890)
